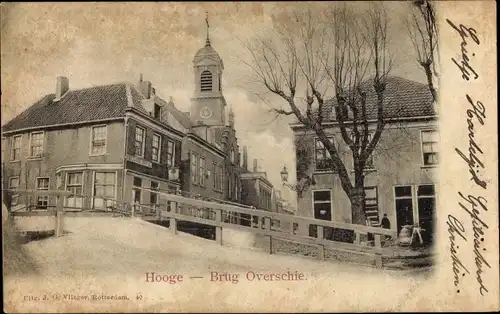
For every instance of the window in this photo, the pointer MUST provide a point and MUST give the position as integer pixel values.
(42, 184)
(36, 144)
(104, 189)
(216, 176)
(98, 141)
(139, 141)
(430, 147)
(322, 156)
(3, 148)
(221, 178)
(170, 154)
(403, 196)
(236, 187)
(14, 184)
(74, 184)
(206, 81)
(371, 203)
(230, 187)
(194, 168)
(322, 204)
(157, 112)
(153, 196)
(136, 192)
(232, 155)
(156, 148)
(264, 199)
(202, 171)
(16, 148)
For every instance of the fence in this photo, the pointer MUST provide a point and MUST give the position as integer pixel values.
(180, 208)
(220, 215)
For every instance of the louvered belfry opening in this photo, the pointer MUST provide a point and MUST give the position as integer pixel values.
(206, 81)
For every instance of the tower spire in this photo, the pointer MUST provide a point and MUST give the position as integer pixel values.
(231, 117)
(207, 43)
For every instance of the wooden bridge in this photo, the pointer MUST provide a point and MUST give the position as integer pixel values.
(175, 208)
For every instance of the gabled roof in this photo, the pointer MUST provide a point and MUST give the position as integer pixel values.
(403, 98)
(89, 104)
(180, 116)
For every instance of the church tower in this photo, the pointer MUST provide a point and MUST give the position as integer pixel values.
(208, 105)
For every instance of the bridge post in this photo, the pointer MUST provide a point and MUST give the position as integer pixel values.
(59, 216)
(358, 238)
(267, 226)
(158, 211)
(173, 220)
(378, 256)
(218, 226)
(321, 247)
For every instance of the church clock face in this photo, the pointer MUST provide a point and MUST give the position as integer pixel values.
(205, 113)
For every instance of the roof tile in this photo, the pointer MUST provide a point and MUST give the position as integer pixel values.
(89, 104)
(403, 98)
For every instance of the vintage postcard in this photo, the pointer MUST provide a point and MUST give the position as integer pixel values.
(249, 157)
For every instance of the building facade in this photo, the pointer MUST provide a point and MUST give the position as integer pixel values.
(257, 190)
(202, 168)
(400, 178)
(99, 142)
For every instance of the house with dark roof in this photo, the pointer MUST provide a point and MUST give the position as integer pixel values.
(97, 141)
(401, 172)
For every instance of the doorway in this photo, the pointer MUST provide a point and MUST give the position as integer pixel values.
(404, 206)
(426, 208)
(322, 207)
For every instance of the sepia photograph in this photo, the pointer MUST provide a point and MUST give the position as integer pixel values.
(249, 157)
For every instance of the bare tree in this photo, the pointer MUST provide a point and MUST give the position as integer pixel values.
(423, 32)
(334, 52)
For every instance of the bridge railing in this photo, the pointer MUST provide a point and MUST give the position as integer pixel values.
(175, 208)
(267, 223)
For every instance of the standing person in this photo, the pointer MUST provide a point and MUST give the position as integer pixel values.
(386, 224)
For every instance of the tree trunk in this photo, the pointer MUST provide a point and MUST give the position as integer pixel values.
(358, 206)
(428, 74)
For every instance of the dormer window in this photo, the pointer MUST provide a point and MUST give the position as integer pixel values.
(206, 81)
(157, 112)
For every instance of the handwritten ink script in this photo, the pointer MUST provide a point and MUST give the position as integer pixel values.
(464, 65)
(472, 202)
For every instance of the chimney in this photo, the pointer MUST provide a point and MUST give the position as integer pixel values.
(62, 87)
(245, 158)
(145, 88)
(255, 168)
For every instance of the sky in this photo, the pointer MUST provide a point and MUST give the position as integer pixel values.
(105, 43)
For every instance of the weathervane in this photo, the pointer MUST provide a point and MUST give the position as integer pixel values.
(208, 26)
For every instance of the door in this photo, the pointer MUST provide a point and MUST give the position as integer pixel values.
(426, 208)
(322, 203)
(322, 207)
(404, 206)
